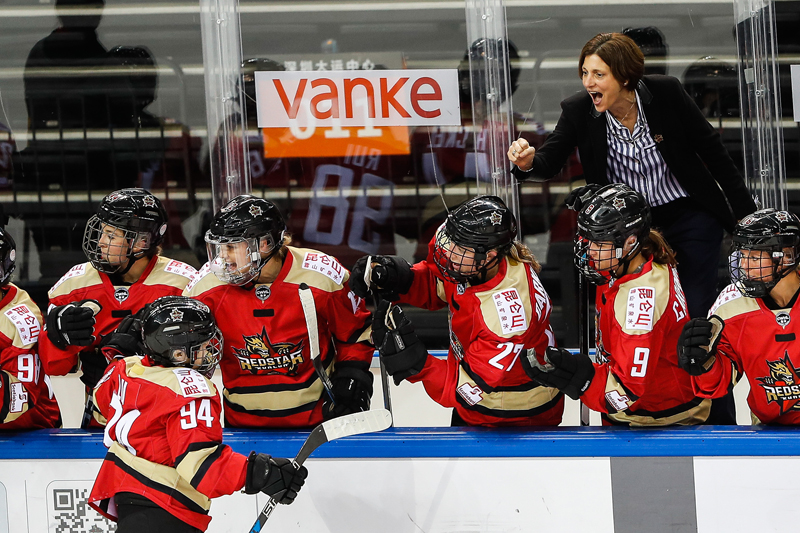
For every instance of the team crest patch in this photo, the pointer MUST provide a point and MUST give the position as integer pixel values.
(176, 315)
(256, 211)
(149, 201)
(263, 292)
(261, 356)
(641, 305)
(782, 386)
(121, 294)
(783, 319)
(495, 218)
(782, 216)
(325, 265)
(618, 203)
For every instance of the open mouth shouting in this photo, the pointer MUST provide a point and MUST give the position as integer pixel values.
(597, 97)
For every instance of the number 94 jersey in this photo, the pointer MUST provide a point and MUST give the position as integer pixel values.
(637, 380)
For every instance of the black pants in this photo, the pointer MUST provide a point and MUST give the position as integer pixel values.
(696, 238)
(137, 514)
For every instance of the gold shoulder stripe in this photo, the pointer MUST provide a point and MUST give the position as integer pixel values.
(159, 276)
(78, 277)
(204, 281)
(735, 306)
(658, 280)
(164, 377)
(22, 334)
(191, 462)
(515, 279)
(323, 272)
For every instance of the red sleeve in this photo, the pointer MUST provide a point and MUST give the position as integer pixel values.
(197, 450)
(435, 376)
(348, 321)
(57, 362)
(722, 377)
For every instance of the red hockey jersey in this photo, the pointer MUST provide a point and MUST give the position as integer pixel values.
(267, 371)
(761, 343)
(490, 324)
(637, 380)
(26, 397)
(163, 277)
(164, 441)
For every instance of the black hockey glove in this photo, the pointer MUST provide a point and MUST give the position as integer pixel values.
(391, 277)
(401, 351)
(124, 341)
(93, 365)
(72, 324)
(578, 197)
(570, 373)
(352, 388)
(278, 477)
(697, 345)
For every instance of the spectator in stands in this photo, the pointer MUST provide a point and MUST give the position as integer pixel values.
(125, 272)
(646, 132)
(26, 396)
(641, 310)
(498, 308)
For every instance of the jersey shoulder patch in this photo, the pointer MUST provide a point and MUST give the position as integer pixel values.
(184, 382)
(170, 272)
(79, 276)
(192, 384)
(507, 309)
(22, 322)
(316, 269)
(202, 281)
(641, 302)
(731, 303)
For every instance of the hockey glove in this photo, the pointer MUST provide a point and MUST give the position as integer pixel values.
(124, 341)
(578, 197)
(352, 388)
(697, 345)
(401, 351)
(93, 365)
(278, 477)
(570, 373)
(390, 277)
(72, 324)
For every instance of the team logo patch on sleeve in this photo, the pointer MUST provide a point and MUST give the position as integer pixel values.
(641, 305)
(191, 382)
(471, 395)
(324, 264)
(26, 323)
(74, 272)
(510, 311)
(617, 400)
(180, 268)
(18, 398)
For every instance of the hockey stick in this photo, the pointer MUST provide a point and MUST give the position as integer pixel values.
(88, 409)
(310, 313)
(583, 334)
(387, 396)
(344, 426)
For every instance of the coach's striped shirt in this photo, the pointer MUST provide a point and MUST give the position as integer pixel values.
(634, 160)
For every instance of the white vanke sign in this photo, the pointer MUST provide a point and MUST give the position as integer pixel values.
(358, 98)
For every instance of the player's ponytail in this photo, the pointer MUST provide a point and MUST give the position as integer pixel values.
(522, 254)
(656, 246)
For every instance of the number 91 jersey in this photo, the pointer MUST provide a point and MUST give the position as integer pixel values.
(637, 380)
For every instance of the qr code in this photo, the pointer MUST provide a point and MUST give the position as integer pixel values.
(69, 511)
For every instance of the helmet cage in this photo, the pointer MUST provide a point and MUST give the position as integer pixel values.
(461, 264)
(256, 258)
(588, 267)
(186, 349)
(8, 257)
(783, 253)
(99, 259)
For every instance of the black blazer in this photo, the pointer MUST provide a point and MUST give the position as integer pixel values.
(690, 146)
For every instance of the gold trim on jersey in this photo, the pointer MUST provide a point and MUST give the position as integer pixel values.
(691, 414)
(207, 281)
(736, 307)
(8, 328)
(277, 400)
(297, 274)
(509, 400)
(658, 279)
(192, 462)
(516, 278)
(163, 376)
(159, 276)
(161, 474)
(63, 286)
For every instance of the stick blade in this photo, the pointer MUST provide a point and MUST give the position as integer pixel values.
(357, 423)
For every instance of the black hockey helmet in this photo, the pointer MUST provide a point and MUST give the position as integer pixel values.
(249, 69)
(768, 230)
(612, 215)
(249, 219)
(471, 231)
(181, 331)
(8, 257)
(139, 215)
(480, 52)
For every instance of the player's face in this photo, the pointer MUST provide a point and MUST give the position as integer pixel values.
(757, 265)
(235, 257)
(603, 256)
(604, 88)
(113, 245)
(199, 355)
(462, 260)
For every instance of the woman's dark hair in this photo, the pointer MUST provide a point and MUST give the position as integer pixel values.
(656, 246)
(620, 53)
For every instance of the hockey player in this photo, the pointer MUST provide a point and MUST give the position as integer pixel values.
(124, 272)
(165, 457)
(753, 326)
(497, 306)
(26, 396)
(252, 283)
(641, 310)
